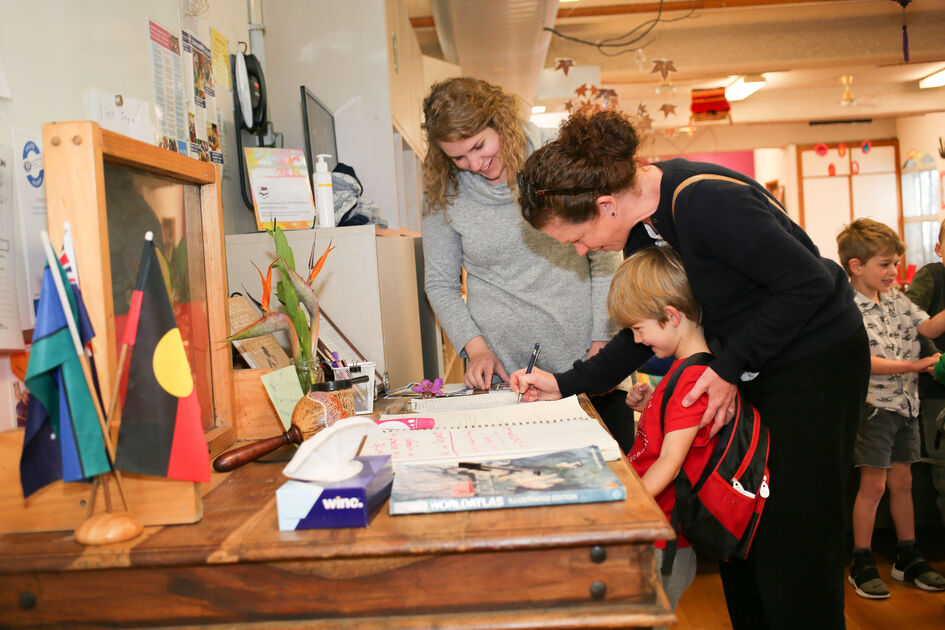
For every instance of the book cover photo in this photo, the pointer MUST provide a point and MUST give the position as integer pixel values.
(573, 476)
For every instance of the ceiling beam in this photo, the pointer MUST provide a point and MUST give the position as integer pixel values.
(647, 7)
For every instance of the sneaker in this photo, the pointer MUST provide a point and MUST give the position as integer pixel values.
(867, 583)
(913, 568)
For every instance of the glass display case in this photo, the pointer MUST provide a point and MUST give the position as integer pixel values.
(112, 190)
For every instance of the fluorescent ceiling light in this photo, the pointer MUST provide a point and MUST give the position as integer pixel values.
(549, 120)
(539, 109)
(744, 87)
(933, 80)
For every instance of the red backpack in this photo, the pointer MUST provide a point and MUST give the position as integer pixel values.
(720, 512)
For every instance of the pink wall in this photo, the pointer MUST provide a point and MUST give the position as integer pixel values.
(741, 161)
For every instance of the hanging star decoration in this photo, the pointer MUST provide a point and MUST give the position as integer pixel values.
(564, 64)
(608, 97)
(667, 109)
(645, 121)
(591, 99)
(664, 67)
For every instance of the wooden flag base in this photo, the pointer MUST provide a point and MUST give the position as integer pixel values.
(108, 527)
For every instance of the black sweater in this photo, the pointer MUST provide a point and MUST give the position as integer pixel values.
(767, 296)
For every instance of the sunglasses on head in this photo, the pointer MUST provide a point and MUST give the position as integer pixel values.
(531, 194)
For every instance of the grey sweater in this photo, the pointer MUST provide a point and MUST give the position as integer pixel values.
(523, 286)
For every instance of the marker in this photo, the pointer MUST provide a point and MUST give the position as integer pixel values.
(531, 365)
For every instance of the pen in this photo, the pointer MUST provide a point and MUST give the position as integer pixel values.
(531, 365)
(478, 466)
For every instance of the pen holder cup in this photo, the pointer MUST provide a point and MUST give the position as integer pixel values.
(363, 392)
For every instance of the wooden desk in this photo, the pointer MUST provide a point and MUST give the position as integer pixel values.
(570, 566)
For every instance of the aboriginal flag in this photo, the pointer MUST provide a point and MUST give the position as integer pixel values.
(160, 432)
(63, 438)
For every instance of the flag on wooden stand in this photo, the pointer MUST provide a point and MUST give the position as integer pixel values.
(62, 439)
(160, 432)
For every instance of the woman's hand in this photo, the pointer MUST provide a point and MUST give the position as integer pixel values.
(539, 385)
(721, 407)
(482, 364)
(638, 396)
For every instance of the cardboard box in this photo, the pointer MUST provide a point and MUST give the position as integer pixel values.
(347, 503)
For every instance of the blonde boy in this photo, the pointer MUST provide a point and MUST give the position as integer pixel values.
(887, 442)
(650, 295)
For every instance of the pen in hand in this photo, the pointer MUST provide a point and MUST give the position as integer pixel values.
(531, 365)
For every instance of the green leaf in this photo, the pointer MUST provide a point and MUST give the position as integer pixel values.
(290, 299)
(283, 250)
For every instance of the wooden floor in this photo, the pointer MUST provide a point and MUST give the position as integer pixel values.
(702, 606)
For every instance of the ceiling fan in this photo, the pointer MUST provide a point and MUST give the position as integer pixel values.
(847, 99)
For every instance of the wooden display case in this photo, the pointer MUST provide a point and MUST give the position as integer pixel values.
(112, 190)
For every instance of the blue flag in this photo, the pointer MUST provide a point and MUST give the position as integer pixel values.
(63, 439)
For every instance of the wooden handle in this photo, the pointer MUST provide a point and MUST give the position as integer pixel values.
(251, 452)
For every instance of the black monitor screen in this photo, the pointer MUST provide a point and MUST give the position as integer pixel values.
(319, 127)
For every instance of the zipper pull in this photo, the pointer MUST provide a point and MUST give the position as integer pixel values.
(741, 490)
(763, 490)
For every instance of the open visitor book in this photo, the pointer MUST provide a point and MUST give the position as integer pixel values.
(516, 430)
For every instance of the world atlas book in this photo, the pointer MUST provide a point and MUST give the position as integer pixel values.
(572, 476)
(516, 430)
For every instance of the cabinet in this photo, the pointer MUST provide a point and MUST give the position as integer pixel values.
(368, 287)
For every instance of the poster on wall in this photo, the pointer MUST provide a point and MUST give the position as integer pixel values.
(28, 176)
(201, 100)
(168, 78)
(11, 337)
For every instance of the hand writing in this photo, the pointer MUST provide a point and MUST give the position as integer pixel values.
(539, 385)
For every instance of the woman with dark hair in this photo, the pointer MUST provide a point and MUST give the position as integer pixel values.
(784, 327)
(523, 287)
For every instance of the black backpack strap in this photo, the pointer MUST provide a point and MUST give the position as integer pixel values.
(682, 485)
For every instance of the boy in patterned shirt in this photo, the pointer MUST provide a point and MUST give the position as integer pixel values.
(887, 442)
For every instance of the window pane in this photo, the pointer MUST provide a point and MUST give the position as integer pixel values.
(138, 202)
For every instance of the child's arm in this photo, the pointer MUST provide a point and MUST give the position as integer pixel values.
(879, 365)
(676, 445)
(638, 396)
(933, 326)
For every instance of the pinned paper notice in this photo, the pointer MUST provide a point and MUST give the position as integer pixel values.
(127, 116)
(284, 391)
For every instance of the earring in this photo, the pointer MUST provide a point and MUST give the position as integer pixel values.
(612, 213)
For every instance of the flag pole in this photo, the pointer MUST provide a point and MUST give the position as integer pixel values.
(83, 360)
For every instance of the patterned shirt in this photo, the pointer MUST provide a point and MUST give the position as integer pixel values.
(892, 329)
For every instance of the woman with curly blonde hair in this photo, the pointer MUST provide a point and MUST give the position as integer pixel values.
(523, 287)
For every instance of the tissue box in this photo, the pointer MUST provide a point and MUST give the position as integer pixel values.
(347, 503)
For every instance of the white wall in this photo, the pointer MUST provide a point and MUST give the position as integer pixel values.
(53, 51)
(339, 51)
(923, 133)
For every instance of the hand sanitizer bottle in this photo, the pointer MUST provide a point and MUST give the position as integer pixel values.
(324, 201)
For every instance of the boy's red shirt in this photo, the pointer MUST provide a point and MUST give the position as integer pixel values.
(649, 439)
